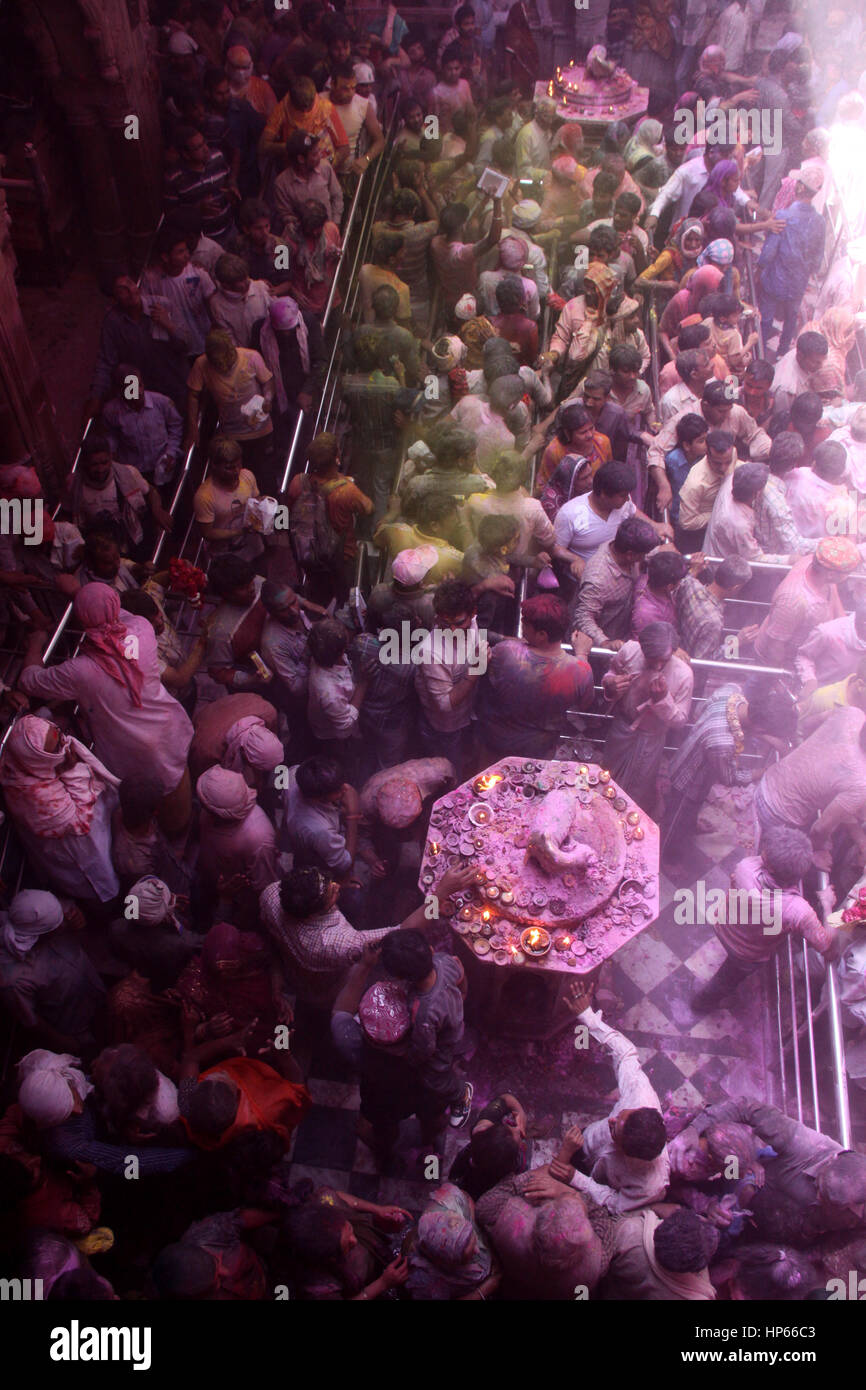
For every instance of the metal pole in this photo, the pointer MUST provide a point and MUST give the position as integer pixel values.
(794, 1028)
(837, 1047)
(783, 1069)
(810, 1028)
(701, 663)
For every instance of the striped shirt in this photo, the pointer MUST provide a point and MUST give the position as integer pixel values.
(700, 619)
(185, 186)
(708, 752)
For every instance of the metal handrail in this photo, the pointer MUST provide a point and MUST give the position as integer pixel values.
(544, 339)
(380, 168)
(829, 1006)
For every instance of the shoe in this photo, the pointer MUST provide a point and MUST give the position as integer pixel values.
(461, 1109)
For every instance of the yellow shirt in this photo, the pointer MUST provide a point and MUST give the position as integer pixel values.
(814, 708)
(395, 536)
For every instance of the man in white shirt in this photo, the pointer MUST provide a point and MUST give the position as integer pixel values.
(793, 371)
(720, 413)
(364, 133)
(451, 661)
(623, 1160)
(694, 371)
(587, 521)
(687, 181)
(239, 303)
(532, 144)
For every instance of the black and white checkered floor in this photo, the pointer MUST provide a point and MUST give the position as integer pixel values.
(644, 991)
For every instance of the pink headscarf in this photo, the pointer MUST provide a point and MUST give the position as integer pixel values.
(710, 56)
(97, 611)
(704, 281)
(49, 802)
(570, 138)
(225, 794)
(839, 327)
(251, 740)
(512, 253)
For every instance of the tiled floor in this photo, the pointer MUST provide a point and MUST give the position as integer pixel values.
(644, 991)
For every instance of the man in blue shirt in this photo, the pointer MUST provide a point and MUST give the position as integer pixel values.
(790, 257)
(691, 446)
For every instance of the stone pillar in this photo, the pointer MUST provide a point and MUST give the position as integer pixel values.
(590, 24)
(27, 423)
(97, 56)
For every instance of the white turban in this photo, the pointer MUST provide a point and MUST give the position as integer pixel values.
(46, 1084)
(155, 900)
(225, 794)
(31, 914)
(251, 740)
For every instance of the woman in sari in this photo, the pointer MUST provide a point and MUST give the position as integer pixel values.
(231, 980)
(582, 328)
(575, 435)
(60, 798)
(686, 302)
(723, 182)
(680, 255)
(115, 679)
(641, 153)
(719, 253)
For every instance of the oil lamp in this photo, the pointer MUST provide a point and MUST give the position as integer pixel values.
(610, 793)
(535, 941)
(637, 833)
(633, 818)
(604, 775)
(483, 785)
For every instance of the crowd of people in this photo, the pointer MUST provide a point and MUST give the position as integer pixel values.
(566, 441)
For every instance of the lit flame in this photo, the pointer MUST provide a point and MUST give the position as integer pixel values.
(488, 780)
(435, 847)
(566, 941)
(486, 914)
(534, 937)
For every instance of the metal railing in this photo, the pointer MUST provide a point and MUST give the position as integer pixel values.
(804, 1016)
(377, 172)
